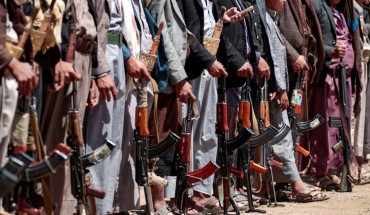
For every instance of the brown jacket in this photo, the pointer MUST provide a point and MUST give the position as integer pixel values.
(291, 27)
(103, 17)
(5, 56)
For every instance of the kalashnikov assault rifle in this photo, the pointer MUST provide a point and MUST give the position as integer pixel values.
(343, 123)
(141, 131)
(223, 151)
(266, 150)
(80, 184)
(294, 113)
(186, 179)
(244, 153)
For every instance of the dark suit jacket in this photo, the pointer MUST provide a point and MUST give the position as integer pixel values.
(291, 27)
(256, 24)
(328, 28)
(235, 34)
(200, 58)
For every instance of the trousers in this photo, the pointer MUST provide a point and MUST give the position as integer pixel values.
(54, 130)
(106, 121)
(204, 139)
(283, 151)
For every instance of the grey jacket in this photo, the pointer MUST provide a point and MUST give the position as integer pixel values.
(174, 36)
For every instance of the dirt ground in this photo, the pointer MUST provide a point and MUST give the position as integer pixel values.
(354, 203)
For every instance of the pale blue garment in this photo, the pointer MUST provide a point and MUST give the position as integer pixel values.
(106, 121)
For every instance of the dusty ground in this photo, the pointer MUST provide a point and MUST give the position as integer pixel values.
(355, 203)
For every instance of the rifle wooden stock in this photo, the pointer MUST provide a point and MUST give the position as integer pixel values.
(301, 150)
(141, 121)
(246, 121)
(276, 163)
(200, 174)
(237, 172)
(256, 167)
(222, 117)
(185, 146)
(264, 113)
(75, 129)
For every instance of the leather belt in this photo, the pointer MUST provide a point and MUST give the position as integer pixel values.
(85, 46)
(114, 39)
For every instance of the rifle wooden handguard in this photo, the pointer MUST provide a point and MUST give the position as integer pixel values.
(241, 109)
(256, 167)
(185, 147)
(237, 172)
(264, 113)
(301, 150)
(141, 121)
(76, 129)
(222, 117)
(247, 115)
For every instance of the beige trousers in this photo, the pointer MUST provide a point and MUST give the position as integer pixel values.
(54, 130)
(8, 103)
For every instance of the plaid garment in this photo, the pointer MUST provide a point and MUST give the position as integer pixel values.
(278, 52)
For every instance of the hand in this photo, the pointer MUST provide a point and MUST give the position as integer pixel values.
(217, 69)
(245, 71)
(300, 64)
(26, 78)
(93, 98)
(63, 73)
(136, 68)
(263, 69)
(284, 101)
(232, 15)
(184, 91)
(106, 86)
(339, 51)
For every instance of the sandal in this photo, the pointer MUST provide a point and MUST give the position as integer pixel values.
(208, 208)
(243, 199)
(163, 210)
(310, 196)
